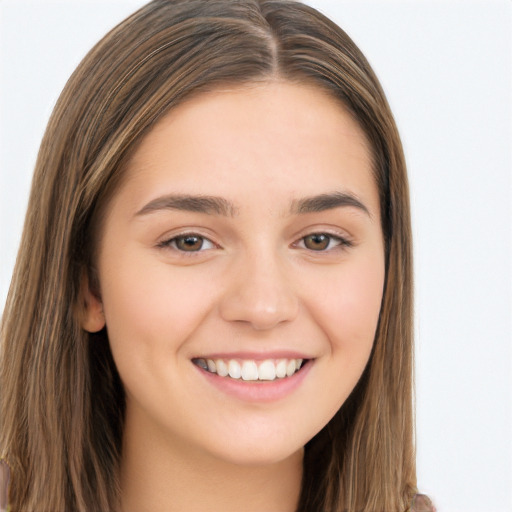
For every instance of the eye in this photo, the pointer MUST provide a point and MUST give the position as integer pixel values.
(322, 242)
(189, 242)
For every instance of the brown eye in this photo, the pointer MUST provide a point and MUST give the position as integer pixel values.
(317, 241)
(191, 243)
(188, 242)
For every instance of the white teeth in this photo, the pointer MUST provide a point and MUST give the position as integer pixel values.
(222, 368)
(291, 367)
(234, 370)
(267, 371)
(281, 369)
(250, 370)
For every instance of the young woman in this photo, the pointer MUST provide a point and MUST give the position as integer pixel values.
(212, 304)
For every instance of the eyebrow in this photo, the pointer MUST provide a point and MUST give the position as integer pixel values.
(330, 201)
(201, 204)
(220, 206)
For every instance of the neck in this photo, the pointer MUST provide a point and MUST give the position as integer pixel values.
(164, 475)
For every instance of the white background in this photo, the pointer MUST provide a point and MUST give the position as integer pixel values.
(446, 67)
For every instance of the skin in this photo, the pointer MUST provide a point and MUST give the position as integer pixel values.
(256, 286)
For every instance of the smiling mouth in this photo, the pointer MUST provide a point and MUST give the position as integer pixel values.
(250, 370)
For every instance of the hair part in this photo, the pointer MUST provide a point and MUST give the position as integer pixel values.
(62, 402)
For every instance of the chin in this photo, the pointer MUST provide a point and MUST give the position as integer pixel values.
(258, 450)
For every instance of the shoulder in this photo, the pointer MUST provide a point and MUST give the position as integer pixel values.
(422, 503)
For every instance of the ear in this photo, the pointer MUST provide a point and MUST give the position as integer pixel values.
(92, 318)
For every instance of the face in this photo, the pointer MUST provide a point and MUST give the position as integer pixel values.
(241, 269)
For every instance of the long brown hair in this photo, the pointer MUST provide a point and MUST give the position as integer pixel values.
(62, 402)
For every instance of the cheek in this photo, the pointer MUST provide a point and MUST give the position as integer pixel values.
(360, 303)
(153, 308)
(348, 313)
(348, 306)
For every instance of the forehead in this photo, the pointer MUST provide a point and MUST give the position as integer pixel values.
(274, 137)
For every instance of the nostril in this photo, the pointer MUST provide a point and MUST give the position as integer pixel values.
(262, 314)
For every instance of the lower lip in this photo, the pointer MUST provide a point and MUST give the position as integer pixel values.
(258, 391)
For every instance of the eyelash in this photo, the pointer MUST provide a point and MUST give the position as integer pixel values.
(340, 243)
(172, 243)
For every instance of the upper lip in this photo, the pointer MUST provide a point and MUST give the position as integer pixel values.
(255, 356)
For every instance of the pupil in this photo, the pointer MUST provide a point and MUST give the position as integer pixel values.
(190, 243)
(317, 242)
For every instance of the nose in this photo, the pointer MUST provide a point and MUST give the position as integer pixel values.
(260, 294)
